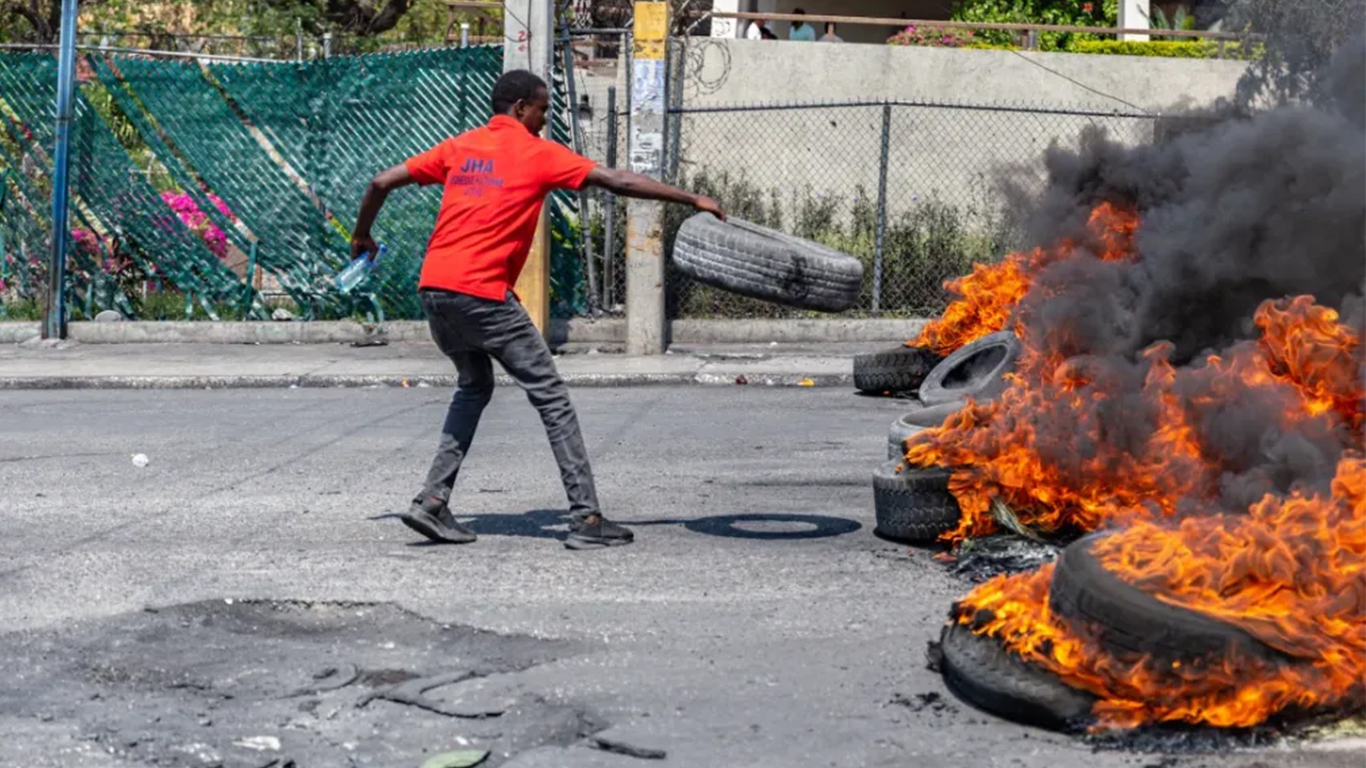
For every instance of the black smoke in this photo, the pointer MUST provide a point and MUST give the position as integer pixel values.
(1242, 205)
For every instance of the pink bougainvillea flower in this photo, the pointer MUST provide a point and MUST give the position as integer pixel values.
(198, 222)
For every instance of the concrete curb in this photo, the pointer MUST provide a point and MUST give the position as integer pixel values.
(322, 381)
(574, 331)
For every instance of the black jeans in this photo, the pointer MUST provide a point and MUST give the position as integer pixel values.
(473, 332)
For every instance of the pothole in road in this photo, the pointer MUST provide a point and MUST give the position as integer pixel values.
(237, 684)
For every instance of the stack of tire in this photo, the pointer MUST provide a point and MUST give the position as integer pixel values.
(1117, 617)
(913, 504)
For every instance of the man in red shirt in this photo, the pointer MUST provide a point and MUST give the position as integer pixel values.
(496, 179)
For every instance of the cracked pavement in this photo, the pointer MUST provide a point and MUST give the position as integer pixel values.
(755, 623)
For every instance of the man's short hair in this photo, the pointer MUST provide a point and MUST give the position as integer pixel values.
(512, 87)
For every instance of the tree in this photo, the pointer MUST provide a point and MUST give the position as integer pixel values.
(39, 21)
(354, 17)
(1298, 43)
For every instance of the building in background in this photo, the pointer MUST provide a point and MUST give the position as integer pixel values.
(852, 33)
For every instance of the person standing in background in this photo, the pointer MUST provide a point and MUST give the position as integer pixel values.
(830, 36)
(801, 30)
(756, 30)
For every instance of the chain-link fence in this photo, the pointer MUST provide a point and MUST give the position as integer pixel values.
(911, 189)
(221, 189)
(600, 118)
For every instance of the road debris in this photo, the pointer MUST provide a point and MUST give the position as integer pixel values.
(259, 743)
(335, 677)
(411, 693)
(630, 750)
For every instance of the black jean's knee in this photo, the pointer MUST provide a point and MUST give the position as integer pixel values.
(478, 395)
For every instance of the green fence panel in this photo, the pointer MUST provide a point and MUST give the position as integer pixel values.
(111, 199)
(284, 148)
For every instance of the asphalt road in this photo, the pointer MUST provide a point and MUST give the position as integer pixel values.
(793, 637)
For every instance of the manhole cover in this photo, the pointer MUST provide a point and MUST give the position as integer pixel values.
(241, 684)
(775, 526)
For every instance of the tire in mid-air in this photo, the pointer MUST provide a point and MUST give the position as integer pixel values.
(895, 370)
(762, 263)
(913, 505)
(976, 370)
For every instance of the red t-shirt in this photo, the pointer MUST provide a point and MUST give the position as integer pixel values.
(496, 180)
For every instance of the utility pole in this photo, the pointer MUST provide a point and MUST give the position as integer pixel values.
(54, 324)
(645, 264)
(529, 43)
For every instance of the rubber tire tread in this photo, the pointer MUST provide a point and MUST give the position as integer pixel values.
(980, 671)
(894, 370)
(915, 505)
(761, 263)
(984, 386)
(1124, 619)
(915, 422)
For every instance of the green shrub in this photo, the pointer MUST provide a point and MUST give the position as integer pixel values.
(1178, 49)
(25, 309)
(1070, 13)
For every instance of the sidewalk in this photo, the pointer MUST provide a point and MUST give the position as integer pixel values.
(70, 365)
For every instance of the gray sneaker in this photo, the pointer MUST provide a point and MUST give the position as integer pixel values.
(596, 532)
(432, 518)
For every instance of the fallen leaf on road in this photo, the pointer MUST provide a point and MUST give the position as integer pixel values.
(465, 758)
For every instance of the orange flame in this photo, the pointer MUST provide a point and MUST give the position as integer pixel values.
(1292, 572)
(988, 295)
(1044, 449)
(1306, 345)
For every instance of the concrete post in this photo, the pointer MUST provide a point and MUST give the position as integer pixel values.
(529, 34)
(1133, 14)
(645, 262)
(729, 28)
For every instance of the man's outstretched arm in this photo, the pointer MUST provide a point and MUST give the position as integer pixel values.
(379, 188)
(630, 184)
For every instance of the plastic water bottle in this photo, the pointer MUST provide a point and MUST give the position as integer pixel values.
(358, 270)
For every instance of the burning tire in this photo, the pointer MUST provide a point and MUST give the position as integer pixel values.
(915, 422)
(987, 676)
(900, 369)
(1123, 619)
(914, 504)
(974, 370)
(761, 263)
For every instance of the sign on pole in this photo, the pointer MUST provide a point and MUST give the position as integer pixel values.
(645, 265)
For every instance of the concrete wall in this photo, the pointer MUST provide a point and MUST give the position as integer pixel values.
(761, 71)
(945, 151)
